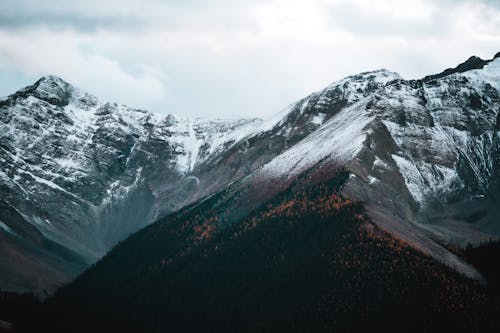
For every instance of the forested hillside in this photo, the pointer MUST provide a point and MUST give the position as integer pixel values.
(308, 260)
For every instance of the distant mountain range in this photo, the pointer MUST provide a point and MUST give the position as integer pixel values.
(419, 159)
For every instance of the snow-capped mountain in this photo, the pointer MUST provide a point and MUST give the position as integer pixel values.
(78, 175)
(423, 155)
(85, 173)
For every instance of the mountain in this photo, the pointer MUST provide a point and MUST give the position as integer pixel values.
(80, 175)
(307, 259)
(83, 174)
(423, 155)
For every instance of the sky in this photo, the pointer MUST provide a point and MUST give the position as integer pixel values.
(230, 58)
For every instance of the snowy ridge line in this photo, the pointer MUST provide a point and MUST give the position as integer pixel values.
(340, 138)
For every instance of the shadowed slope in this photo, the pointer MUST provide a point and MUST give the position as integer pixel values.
(308, 259)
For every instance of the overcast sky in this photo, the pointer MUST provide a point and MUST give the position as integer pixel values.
(229, 58)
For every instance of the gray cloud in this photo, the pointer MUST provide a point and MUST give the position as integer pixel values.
(91, 15)
(490, 3)
(77, 22)
(353, 18)
(233, 58)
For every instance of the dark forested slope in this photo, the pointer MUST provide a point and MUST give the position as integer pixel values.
(307, 260)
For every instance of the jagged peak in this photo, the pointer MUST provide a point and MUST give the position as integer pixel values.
(52, 84)
(366, 81)
(380, 71)
(52, 89)
(379, 76)
(52, 79)
(474, 62)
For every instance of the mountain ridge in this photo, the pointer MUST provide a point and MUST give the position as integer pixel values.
(114, 169)
(306, 259)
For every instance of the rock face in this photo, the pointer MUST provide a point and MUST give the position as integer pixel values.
(423, 156)
(84, 174)
(77, 175)
(431, 154)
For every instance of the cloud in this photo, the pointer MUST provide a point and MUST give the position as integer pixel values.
(60, 14)
(125, 15)
(41, 53)
(390, 18)
(234, 58)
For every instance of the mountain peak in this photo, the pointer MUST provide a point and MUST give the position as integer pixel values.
(380, 76)
(51, 89)
(51, 84)
(473, 62)
(51, 80)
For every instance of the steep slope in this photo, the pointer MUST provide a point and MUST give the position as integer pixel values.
(306, 260)
(431, 157)
(87, 173)
(424, 157)
(422, 154)
(84, 174)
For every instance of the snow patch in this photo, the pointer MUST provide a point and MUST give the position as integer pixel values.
(68, 163)
(413, 179)
(49, 183)
(378, 163)
(318, 119)
(6, 228)
(340, 139)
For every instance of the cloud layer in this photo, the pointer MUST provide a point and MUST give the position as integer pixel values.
(233, 58)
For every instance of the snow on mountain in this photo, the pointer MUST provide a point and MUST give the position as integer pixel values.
(34, 119)
(340, 138)
(339, 134)
(424, 155)
(34, 129)
(434, 124)
(70, 161)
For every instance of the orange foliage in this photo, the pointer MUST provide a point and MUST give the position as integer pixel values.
(206, 229)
